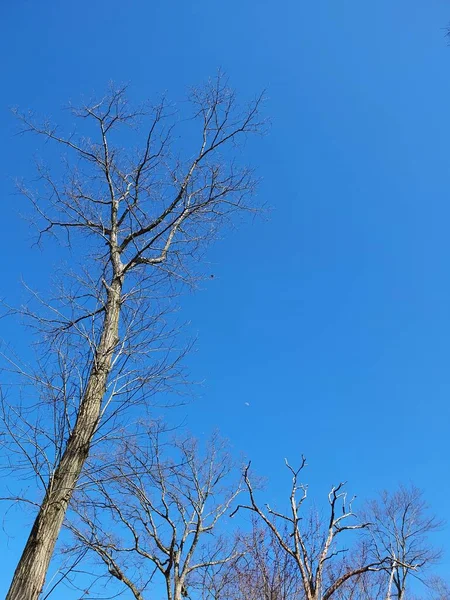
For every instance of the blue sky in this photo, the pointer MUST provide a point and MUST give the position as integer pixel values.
(331, 317)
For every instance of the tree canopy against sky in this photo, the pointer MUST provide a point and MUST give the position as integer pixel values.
(335, 327)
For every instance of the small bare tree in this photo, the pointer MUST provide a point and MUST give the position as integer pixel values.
(136, 221)
(262, 571)
(311, 545)
(265, 571)
(401, 524)
(368, 585)
(156, 509)
(436, 589)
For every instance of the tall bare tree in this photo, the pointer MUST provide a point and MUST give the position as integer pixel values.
(401, 525)
(313, 545)
(136, 220)
(157, 510)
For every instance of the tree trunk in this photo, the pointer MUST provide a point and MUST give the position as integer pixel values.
(29, 576)
(391, 579)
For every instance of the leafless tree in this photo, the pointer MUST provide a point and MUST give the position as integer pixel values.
(312, 546)
(401, 524)
(156, 510)
(266, 571)
(368, 585)
(262, 571)
(136, 221)
(436, 589)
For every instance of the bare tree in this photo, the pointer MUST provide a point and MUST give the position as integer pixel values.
(401, 524)
(136, 221)
(368, 585)
(156, 509)
(311, 545)
(265, 571)
(262, 571)
(436, 589)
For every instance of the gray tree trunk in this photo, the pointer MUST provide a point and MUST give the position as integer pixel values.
(29, 576)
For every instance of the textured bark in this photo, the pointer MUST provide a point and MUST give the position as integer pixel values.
(29, 576)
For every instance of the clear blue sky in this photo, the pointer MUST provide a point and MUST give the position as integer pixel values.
(332, 317)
